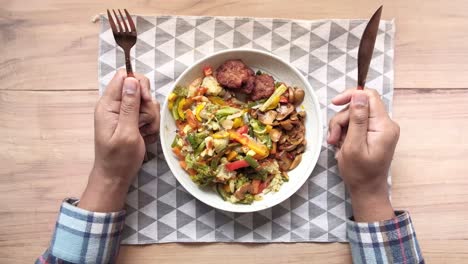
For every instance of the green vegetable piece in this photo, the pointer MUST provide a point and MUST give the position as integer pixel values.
(257, 127)
(174, 142)
(190, 160)
(175, 113)
(181, 91)
(200, 148)
(203, 179)
(241, 181)
(249, 199)
(225, 111)
(259, 72)
(221, 191)
(191, 139)
(260, 174)
(202, 169)
(274, 97)
(251, 161)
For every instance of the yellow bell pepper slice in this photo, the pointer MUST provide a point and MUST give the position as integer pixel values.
(171, 99)
(221, 135)
(180, 108)
(237, 122)
(231, 155)
(216, 100)
(198, 109)
(261, 150)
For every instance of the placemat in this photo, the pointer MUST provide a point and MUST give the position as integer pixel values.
(159, 210)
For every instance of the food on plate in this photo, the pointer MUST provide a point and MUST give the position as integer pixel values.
(233, 74)
(243, 146)
(264, 87)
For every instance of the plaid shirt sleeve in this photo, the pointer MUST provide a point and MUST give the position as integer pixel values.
(84, 237)
(390, 241)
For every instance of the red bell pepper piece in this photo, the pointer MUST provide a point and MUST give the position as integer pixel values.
(192, 121)
(201, 90)
(207, 70)
(232, 166)
(243, 129)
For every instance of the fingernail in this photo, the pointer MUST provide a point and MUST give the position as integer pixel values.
(360, 99)
(130, 86)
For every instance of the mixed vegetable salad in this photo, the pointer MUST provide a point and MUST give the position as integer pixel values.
(225, 139)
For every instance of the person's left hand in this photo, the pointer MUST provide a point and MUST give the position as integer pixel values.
(125, 119)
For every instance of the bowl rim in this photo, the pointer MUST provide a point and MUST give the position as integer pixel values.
(293, 189)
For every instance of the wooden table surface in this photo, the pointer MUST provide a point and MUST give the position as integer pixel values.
(48, 88)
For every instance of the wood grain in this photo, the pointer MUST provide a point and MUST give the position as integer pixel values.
(46, 149)
(52, 44)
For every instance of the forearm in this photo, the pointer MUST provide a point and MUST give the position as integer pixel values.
(104, 193)
(371, 205)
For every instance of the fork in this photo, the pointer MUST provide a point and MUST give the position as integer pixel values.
(126, 39)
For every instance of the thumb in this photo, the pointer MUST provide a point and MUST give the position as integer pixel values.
(358, 118)
(130, 105)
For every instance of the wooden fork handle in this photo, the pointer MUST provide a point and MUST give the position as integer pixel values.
(128, 64)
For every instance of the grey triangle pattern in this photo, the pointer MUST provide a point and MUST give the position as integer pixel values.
(296, 52)
(144, 220)
(260, 30)
(104, 47)
(142, 239)
(334, 221)
(127, 232)
(201, 38)
(278, 41)
(162, 37)
(315, 210)
(159, 209)
(336, 31)
(105, 69)
(298, 31)
(240, 40)
(278, 231)
(142, 47)
(140, 67)
(333, 200)
(221, 28)
(182, 26)
(240, 230)
(144, 199)
(143, 25)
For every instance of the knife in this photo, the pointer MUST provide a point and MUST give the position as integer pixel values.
(366, 47)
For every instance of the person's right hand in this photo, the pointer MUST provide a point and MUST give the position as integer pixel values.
(126, 118)
(365, 138)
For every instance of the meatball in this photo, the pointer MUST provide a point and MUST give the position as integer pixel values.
(249, 85)
(264, 87)
(233, 74)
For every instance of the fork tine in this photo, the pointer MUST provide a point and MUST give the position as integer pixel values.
(123, 21)
(111, 22)
(130, 21)
(117, 20)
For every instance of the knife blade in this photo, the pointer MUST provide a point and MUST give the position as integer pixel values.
(366, 47)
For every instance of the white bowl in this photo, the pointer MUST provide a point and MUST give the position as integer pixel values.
(281, 71)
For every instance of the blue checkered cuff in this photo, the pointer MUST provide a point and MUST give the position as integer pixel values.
(390, 241)
(86, 237)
